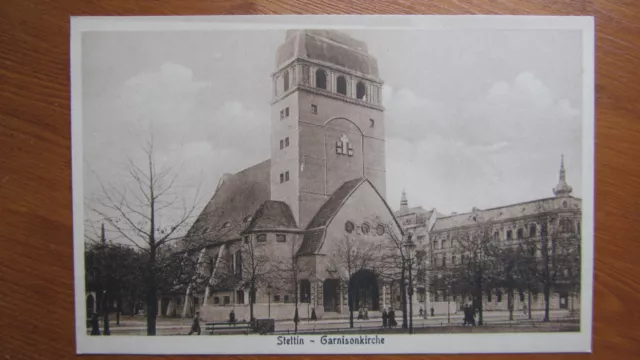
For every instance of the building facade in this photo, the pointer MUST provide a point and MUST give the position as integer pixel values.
(323, 187)
(521, 226)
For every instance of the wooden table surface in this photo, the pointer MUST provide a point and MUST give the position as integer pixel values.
(36, 273)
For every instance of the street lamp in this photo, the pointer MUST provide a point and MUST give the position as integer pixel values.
(269, 298)
(409, 245)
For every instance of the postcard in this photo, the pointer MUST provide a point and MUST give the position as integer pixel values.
(333, 184)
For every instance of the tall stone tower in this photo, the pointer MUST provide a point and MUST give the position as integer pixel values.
(327, 120)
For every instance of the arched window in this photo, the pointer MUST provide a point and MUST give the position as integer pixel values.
(321, 79)
(285, 79)
(341, 84)
(532, 230)
(361, 91)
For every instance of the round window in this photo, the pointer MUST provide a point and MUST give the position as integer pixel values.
(365, 228)
(380, 230)
(348, 227)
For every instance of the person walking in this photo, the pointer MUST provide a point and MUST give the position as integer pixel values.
(232, 318)
(392, 318)
(366, 313)
(195, 325)
(384, 318)
(360, 313)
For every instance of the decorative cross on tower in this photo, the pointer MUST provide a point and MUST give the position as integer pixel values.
(344, 146)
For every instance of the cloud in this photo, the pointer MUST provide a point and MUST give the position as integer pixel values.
(510, 134)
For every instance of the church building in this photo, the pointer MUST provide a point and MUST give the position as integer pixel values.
(324, 182)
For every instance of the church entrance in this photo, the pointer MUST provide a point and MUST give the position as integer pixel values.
(364, 291)
(331, 295)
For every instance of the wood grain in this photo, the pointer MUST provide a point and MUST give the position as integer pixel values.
(36, 272)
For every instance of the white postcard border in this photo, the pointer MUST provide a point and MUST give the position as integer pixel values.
(428, 343)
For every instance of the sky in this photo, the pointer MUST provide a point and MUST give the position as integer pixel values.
(473, 118)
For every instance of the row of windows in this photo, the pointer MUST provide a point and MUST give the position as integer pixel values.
(441, 296)
(365, 228)
(279, 237)
(341, 84)
(566, 226)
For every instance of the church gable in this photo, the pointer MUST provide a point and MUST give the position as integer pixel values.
(355, 209)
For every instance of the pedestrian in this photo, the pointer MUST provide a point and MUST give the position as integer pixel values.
(95, 324)
(313, 314)
(432, 312)
(465, 310)
(195, 326)
(360, 313)
(392, 318)
(366, 313)
(421, 311)
(384, 318)
(232, 318)
(472, 315)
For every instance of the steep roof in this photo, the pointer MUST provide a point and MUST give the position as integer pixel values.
(236, 199)
(496, 214)
(272, 215)
(315, 232)
(328, 46)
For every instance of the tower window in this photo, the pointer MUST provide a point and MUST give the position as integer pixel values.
(281, 114)
(286, 176)
(361, 92)
(281, 144)
(314, 109)
(372, 123)
(286, 112)
(321, 79)
(285, 78)
(341, 85)
(286, 142)
(281, 178)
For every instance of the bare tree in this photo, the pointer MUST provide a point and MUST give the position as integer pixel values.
(147, 211)
(557, 252)
(396, 259)
(254, 262)
(352, 255)
(285, 272)
(474, 273)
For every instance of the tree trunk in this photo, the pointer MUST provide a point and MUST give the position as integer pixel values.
(350, 303)
(152, 311)
(547, 292)
(529, 303)
(510, 303)
(107, 306)
(251, 292)
(119, 305)
(403, 291)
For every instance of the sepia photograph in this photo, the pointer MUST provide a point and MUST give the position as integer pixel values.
(333, 184)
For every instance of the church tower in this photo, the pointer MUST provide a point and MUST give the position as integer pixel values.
(327, 120)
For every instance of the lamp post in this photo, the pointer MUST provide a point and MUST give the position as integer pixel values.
(269, 298)
(409, 245)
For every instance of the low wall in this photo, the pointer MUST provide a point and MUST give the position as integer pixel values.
(276, 311)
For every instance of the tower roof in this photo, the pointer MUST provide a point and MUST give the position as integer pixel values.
(328, 47)
(562, 189)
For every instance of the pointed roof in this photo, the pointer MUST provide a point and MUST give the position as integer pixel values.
(562, 189)
(316, 230)
(273, 215)
(232, 206)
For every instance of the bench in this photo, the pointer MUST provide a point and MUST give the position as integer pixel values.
(213, 326)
